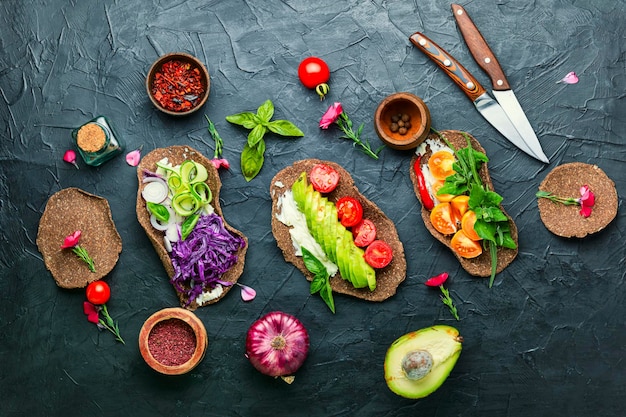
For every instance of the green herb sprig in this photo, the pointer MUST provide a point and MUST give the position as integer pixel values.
(321, 280)
(252, 156)
(492, 225)
(345, 124)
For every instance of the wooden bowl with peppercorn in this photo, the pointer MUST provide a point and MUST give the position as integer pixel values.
(173, 341)
(178, 84)
(402, 121)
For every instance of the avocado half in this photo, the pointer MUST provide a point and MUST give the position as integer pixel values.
(419, 362)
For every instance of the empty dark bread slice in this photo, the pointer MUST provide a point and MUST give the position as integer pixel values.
(176, 155)
(388, 278)
(67, 211)
(481, 265)
(565, 181)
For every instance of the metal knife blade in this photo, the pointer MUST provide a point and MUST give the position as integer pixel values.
(501, 89)
(487, 106)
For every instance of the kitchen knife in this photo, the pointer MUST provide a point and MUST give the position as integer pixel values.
(501, 89)
(487, 106)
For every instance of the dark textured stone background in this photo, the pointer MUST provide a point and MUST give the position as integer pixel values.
(547, 340)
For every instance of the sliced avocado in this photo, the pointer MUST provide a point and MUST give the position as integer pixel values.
(342, 259)
(419, 362)
(330, 227)
(307, 204)
(358, 267)
(299, 191)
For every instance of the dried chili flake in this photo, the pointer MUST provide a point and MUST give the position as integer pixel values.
(177, 86)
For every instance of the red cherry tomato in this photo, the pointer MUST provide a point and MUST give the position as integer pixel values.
(364, 233)
(314, 73)
(349, 211)
(98, 292)
(324, 178)
(378, 254)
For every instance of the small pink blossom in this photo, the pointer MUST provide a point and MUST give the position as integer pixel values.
(437, 280)
(71, 240)
(133, 157)
(570, 78)
(92, 312)
(587, 200)
(70, 157)
(220, 162)
(331, 115)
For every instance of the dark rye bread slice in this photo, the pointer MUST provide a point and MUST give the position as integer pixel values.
(565, 181)
(481, 265)
(177, 155)
(67, 211)
(387, 279)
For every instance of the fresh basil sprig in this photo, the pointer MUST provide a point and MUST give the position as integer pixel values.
(321, 280)
(252, 156)
(492, 225)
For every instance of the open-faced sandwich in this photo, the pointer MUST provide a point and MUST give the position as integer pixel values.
(576, 200)
(178, 207)
(319, 212)
(459, 206)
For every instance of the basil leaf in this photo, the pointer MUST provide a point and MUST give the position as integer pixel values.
(246, 119)
(256, 135)
(251, 162)
(485, 230)
(317, 284)
(265, 111)
(284, 128)
(312, 263)
(188, 225)
(161, 212)
(327, 295)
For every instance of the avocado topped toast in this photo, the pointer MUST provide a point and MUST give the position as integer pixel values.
(353, 276)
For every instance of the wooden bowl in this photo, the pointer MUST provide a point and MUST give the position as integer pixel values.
(408, 104)
(194, 63)
(165, 337)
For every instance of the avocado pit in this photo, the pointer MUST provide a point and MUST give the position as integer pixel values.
(417, 364)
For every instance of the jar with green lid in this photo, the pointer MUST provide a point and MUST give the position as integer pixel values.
(97, 142)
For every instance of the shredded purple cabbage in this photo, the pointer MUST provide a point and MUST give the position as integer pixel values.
(200, 260)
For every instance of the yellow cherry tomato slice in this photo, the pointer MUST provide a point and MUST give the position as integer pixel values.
(440, 164)
(443, 197)
(441, 219)
(467, 225)
(460, 205)
(464, 246)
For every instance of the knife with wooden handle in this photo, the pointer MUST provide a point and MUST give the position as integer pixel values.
(487, 106)
(501, 89)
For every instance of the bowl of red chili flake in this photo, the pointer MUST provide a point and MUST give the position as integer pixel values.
(178, 84)
(173, 341)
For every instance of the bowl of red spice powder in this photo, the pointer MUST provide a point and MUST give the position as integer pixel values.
(178, 84)
(173, 341)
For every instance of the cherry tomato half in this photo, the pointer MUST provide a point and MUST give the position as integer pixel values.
(349, 211)
(459, 206)
(440, 164)
(324, 178)
(314, 73)
(364, 233)
(441, 219)
(378, 254)
(464, 246)
(98, 292)
(467, 225)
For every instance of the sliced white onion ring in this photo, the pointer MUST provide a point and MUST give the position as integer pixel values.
(158, 225)
(155, 190)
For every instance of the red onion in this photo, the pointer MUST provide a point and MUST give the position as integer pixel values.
(277, 345)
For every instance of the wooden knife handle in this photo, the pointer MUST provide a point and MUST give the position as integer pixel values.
(451, 66)
(480, 49)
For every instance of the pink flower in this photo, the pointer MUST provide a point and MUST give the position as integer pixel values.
(218, 163)
(587, 200)
(92, 312)
(247, 293)
(570, 78)
(133, 157)
(438, 280)
(331, 115)
(71, 241)
(70, 157)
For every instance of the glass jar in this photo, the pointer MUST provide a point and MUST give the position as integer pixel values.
(97, 142)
